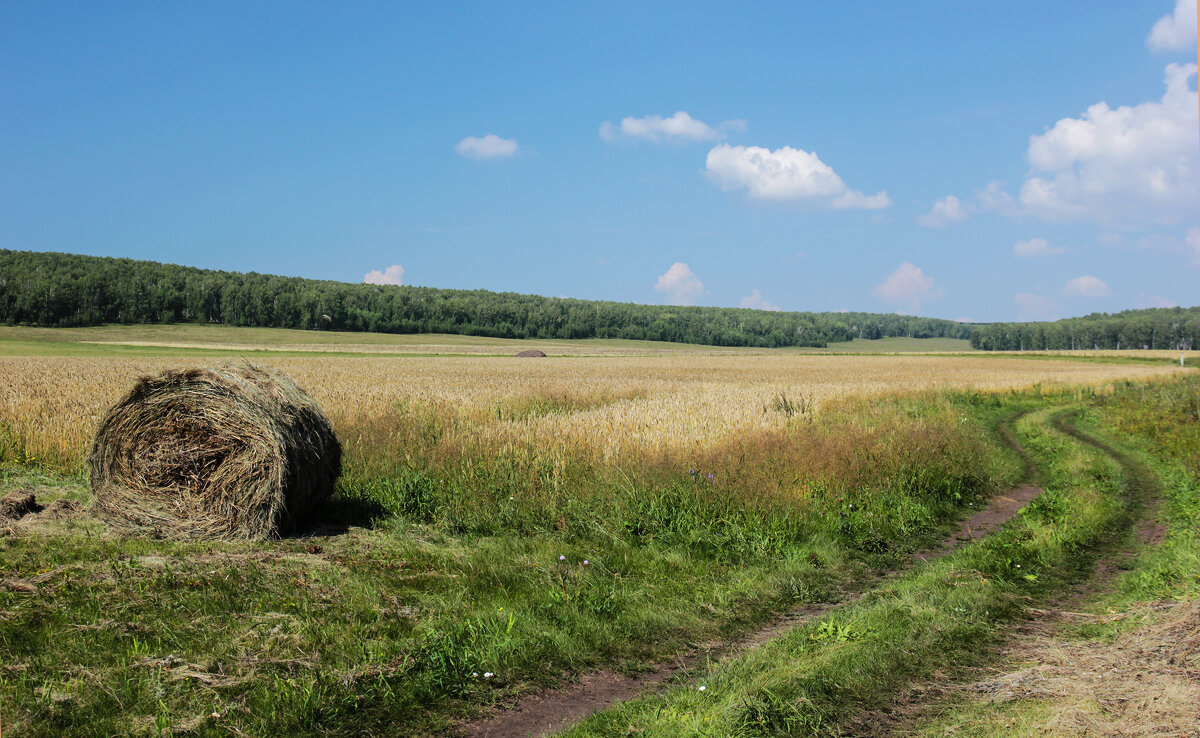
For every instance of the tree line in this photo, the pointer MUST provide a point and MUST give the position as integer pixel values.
(1154, 328)
(54, 289)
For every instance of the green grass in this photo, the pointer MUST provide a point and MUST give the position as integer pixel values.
(456, 567)
(105, 341)
(817, 679)
(454, 570)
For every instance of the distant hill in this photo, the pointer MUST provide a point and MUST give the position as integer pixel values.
(53, 289)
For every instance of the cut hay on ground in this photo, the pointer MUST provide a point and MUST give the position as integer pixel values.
(531, 354)
(1146, 682)
(234, 452)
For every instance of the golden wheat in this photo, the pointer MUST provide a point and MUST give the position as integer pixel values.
(49, 406)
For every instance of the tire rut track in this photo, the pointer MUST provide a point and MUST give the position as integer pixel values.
(550, 711)
(1143, 497)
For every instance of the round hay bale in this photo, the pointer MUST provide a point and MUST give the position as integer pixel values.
(234, 452)
(531, 353)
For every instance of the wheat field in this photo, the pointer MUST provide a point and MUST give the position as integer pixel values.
(50, 406)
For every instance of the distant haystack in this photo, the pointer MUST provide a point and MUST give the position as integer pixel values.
(531, 353)
(234, 452)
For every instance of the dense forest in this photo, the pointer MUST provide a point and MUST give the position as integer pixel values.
(1155, 328)
(52, 289)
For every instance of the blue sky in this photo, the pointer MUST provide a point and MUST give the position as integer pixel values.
(998, 161)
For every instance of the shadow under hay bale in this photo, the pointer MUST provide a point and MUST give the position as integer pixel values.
(235, 452)
(18, 504)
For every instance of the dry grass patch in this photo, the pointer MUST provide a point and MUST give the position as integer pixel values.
(1146, 682)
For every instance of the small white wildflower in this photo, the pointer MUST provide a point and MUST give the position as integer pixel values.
(702, 687)
(562, 558)
(1018, 566)
(488, 675)
(586, 562)
(474, 673)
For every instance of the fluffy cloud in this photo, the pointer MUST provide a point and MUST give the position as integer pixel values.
(945, 211)
(678, 128)
(950, 209)
(1175, 31)
(907, 287)
(490, 146)
(680, 284)
(755, 301)
(392, 275)
(785, 174)
(1034, 247)
(1035, 307)
(1086, 286)
(1131, 163)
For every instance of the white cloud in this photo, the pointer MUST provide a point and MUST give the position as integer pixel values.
(490, 146)
(1086, 286)
(1034, 247)
(680, 285)
(392, 275)
(945, 211)
(785, 174)
(1131, 163)
(1193, 242)
(1155, 301)
(1175, 31)
(907, 287)
(755, 301)
(1035, 307)
(994, 198)
(678, 128)
(950, 209)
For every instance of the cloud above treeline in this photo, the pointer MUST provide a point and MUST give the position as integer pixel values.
(908, 287)
(680, 284)
(755, 301)
(678, 128)
(490, 146)
(785, 174)
(1086, 286)
(392, 275)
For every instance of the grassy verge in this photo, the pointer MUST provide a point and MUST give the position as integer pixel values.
(465, 579)
(818, 679)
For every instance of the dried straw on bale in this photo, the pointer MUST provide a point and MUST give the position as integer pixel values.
(233, 452)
